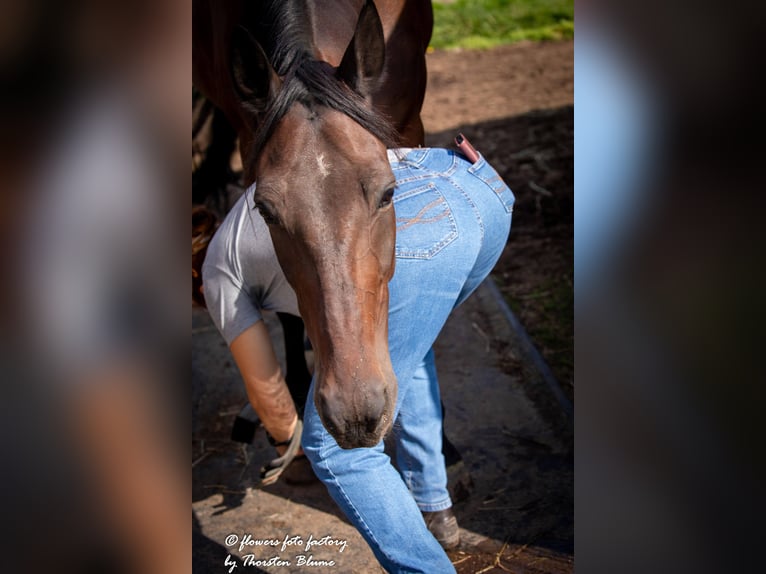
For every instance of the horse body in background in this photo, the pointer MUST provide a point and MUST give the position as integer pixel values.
(317, 91)
(400, 89)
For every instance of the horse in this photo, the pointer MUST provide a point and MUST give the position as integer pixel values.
(317, 91)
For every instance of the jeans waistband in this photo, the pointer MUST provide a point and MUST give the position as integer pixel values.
(436, 160)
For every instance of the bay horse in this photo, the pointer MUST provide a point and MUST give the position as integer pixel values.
(317, 90)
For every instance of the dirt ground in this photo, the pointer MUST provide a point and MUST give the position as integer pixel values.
(515, 104)
(515, 507)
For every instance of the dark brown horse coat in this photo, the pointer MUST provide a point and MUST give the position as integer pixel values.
(407, 26)
(314, 89)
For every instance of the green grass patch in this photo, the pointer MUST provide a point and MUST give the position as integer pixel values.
(481, 24)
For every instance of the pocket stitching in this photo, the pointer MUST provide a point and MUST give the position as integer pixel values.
(448, 238)
(502, 190)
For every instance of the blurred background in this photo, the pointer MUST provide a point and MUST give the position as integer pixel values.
(669, 275)
(94, 222)
(667, 256)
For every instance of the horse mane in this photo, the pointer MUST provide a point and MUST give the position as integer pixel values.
(284, 31)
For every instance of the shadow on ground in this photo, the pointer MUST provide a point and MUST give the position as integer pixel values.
(516, 441)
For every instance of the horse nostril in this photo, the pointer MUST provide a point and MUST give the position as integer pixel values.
(366, 429)
(363, 427)
(360, 434)
(375, 406)
(355, 425)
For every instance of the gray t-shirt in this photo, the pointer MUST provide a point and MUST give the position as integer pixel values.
(241, 274)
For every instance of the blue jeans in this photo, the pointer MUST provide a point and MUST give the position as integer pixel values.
(453, 220)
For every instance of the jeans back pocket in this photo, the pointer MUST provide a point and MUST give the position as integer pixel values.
(486, 173)
(424, 222)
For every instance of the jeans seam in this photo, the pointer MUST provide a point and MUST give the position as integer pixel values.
(350, 504)
(407, 472)
(473, 205)
(452, 168)
(403, 180)
(429, 173)
(435, 506)
(475, 169)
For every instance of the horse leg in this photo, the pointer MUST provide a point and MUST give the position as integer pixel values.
(210, 179)
(297, 373)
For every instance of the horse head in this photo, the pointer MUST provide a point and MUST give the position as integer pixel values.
(324, 186)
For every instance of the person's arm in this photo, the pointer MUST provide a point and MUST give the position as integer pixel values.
(264, 382)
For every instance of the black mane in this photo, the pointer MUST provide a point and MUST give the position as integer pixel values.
(283, 29)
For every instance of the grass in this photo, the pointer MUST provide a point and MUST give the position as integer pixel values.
(481, 24)
(552, 330)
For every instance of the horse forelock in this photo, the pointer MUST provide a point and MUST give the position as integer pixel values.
(284, 30)
(311, 83)
(285, 33)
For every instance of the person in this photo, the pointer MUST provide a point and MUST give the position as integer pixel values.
(453, 220)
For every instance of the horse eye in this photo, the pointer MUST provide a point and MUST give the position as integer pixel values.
(267, 213)
(388, 196)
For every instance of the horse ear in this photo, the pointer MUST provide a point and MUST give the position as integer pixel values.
(255, 81)
(363, 61)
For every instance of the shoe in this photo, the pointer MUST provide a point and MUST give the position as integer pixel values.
(443, 525)
(299, 472)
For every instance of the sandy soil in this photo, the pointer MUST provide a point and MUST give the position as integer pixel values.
(515, 103)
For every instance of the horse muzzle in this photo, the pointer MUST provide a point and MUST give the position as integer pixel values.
(359, 419)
